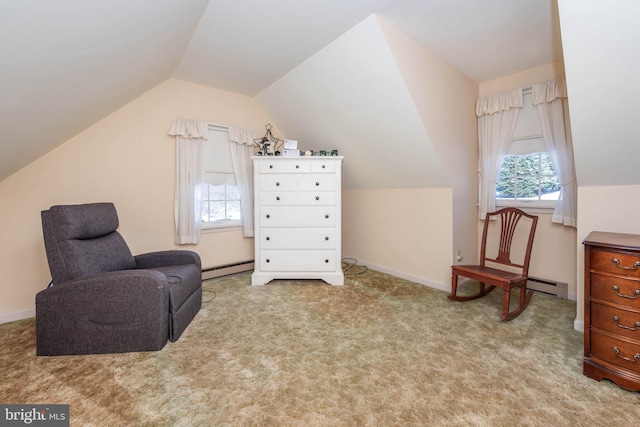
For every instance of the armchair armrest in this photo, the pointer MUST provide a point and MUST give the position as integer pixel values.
(109, 295)
(166, 258)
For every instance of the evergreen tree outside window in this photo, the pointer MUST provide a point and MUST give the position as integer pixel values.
(527, 177)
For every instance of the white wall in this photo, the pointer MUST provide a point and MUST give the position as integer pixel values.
(445, 100)
(402, 232)
(126, 158)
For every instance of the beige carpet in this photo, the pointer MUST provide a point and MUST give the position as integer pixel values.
(379, 351)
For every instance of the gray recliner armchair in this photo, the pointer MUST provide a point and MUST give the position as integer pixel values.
(102, 299)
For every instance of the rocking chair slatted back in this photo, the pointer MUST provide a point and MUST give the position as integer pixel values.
(509, 218)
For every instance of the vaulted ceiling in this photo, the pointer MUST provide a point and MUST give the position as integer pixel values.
(68, 64)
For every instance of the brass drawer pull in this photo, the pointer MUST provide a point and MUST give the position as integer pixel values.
(636, 356)
(631, 328)
(635, 295)
(616, 261)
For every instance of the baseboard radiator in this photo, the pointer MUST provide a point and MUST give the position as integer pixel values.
(550, 287)
(225, 270)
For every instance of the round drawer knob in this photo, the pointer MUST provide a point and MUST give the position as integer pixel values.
(277, 184)
(278, 198)
(326, 238)
(326, 261)
(268, 216)
(326, 216)
(297, 166)
(268, 238)
(268, 260)
(317, 197)
(317, 184)
(270, 166)
(323, 166)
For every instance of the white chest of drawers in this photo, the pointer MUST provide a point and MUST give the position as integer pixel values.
(297, 219)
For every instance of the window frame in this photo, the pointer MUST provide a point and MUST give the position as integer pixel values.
(226, 225)
(544, 205)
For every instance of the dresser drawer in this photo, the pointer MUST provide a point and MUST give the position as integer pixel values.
(617, 321)
(271, 166)
(317, 183)
(281, 198)
(615, 263)
(319, 198)
(620, 352)
(297, 261)
(278, 183)
(297, 216)
(324, 165)
(298, 238)
(297, 165)
(615, 290)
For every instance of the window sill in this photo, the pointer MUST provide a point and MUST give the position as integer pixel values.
(221, 228)
(544, 207)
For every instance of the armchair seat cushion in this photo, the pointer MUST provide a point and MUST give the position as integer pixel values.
(183, 281)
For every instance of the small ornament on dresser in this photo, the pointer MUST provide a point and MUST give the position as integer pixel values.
(269, 145)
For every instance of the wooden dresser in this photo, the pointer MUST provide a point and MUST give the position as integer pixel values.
(297, 219)
(612, 308)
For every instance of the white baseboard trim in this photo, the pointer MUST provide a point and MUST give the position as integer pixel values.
(420, 280)
(578, 325)
(17, 315)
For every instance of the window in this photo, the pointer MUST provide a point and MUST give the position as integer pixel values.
(527, 178)
(219, 193)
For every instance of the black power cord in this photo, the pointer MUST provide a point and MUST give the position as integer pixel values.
(349, 263)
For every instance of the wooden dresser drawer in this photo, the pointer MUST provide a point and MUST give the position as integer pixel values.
(620, 352)
(616, 321)
(616, 290)
(615, 263)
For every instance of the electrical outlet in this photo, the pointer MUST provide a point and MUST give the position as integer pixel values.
(459, 256)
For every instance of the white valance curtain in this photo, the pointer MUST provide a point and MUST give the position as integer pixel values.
(242, 148)
(190, 136)
(550, 98)
(497, 116)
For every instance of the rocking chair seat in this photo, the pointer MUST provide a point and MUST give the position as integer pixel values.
(489, 275)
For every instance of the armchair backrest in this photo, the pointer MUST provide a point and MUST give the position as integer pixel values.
(81, 241)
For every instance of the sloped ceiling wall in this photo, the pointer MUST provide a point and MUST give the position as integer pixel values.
(600, 42)
(352, 97)
(65, 67)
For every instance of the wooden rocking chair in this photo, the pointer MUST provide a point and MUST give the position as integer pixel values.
(507, 280)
